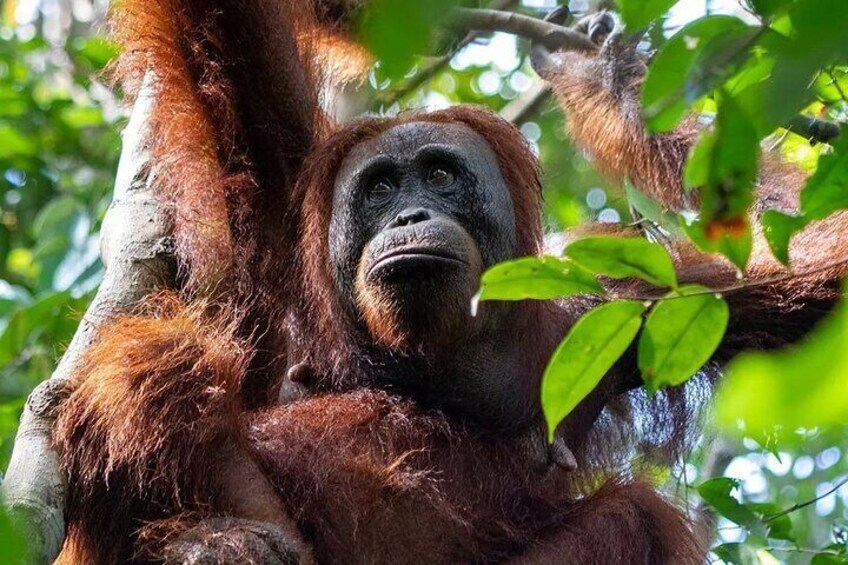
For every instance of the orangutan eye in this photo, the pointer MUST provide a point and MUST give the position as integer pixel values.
(381, 189)
(440, 176)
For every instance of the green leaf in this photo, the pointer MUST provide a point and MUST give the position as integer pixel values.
(720, 58)
(15, 143)
(396, 30)
(770, 7)
(649, 208)
(779, 229)
(540, 278)
(664, 92)
(734, 241)
(831, 84)
(56, 218)
(737, 554)
(778, 524)
(697, 171)
(814, 39)
(732, 164)
(639, 13)
(680, 336)
(724, 164)
(800, 387)
(624, 257)
(589, 350)
(95, 51)
(42, 315)
(652, 210)
(834, 554)
(717, 493)
(13, 548)
(827, 190)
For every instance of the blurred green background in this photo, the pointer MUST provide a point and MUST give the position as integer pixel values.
(59, 144)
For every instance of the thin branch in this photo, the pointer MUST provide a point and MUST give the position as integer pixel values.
(745, 285)
(806, 503)
(549, 34)
(519, 110)
(836, 85)
(807, 550)
(814, 129)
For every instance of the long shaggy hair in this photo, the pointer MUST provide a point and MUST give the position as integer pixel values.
(244, 159)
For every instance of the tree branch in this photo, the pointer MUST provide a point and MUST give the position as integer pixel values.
(519, 110)
(800, 505)
(137, 252)
(744, 285)
(814, 129)
(549, 34)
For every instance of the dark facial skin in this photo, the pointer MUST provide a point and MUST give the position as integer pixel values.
(419, 213)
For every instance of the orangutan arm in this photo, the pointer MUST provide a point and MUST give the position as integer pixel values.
(772, 306)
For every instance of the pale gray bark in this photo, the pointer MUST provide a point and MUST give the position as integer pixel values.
(137, 252)
(549, 34)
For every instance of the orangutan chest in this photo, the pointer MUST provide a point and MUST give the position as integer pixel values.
(371, 480)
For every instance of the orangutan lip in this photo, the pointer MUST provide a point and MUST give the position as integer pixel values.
(412, 253)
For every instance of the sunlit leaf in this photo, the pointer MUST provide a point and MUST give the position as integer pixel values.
(831, 85)
(15, 143)
(639, 13)
(541, 278)
(802, 386)
(777, 522)
(396, 30)
(680, 336)
(733, 239)
(779, 229)
(718, 493)
(798, 150)
(736, 554)
(95, 51)
(827, 190)
(624, 257)
(12, 543)
(589, 350)
(770, 7)
(732, 164)
(834, 554)
(664, 92)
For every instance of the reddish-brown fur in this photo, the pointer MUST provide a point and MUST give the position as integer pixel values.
(385, 481)
(159, 411)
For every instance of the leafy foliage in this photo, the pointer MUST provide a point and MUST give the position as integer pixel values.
(639, 13)
(746, 76)
(621, 258)
(591, 348)
(536, 277)
(681, 333)
(680, 336)
(12, 542)
(58, 151)
(802, 387)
